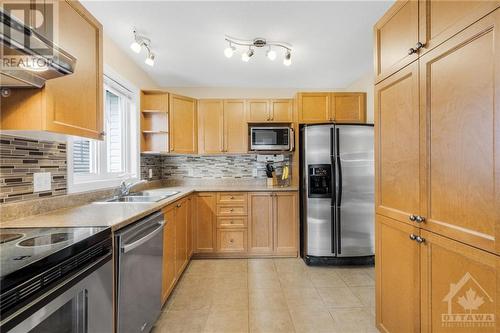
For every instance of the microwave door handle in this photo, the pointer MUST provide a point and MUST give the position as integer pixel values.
(292, 139)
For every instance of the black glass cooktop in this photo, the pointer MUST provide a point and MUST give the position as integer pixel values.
(24, 252)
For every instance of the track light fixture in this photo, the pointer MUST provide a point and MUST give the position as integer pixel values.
(258, 43)
(141, 42)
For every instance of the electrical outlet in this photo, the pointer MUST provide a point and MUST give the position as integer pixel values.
(150, 173)
(42, 181)
(255, 172)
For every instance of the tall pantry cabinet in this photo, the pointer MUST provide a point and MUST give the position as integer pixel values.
(437, 126)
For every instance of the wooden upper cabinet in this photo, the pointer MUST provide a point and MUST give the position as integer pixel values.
(204, 227)
(440, 20)
(460, 90)
(71, 104)
(285, 223)
(154, 121)
(397, 277)
(281, 110)
(397, 145)
(235, 138)
(183, 125)
(395, 34)
(457, 279)
(169, 272)
(260, 223)
(314, 107)
(348, 107)
(210, 126)
(258, 110)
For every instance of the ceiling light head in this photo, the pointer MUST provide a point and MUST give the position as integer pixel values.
(150, 60)
(136, 47)
(288, 58)
(229, 51)
(271, 54)
(246, 56)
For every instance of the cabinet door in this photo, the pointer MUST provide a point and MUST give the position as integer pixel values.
(460, 90)
(183, 125)
(395, 33)
(74, 102)
(205, 223)
(181, 217)
(460, 287)
(168, 252)
(260, 223)
(285, 223)
(314, 107)
(235, 127)
(258, 110)
(439, 20)
(349, 107)
(189, 245)
(232, 240)
(281, 110)
(210, 126)
(397, 145)
(397, 277)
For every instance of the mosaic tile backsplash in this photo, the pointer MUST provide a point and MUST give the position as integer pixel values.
(20, 158)
(185, 167)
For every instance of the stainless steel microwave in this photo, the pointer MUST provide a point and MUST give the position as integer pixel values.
(271, 138)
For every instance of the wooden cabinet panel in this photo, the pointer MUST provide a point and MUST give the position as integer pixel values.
(232, 198)
(154, 101)
(232, 240)
(314, 107)
(181, 218)
(231, 210)
(349, 107)
(190, 208)
(397, 145)
(232, 222)
(169, 273)
(258, 110)
(235, 128)
(205, 223)
(285, 223)
(281, 110)
(183, 125)
(210, 126)
(460, 286)
(440, 20)
(460, 82)
(260, 222)
(397, 277)
(395, 33)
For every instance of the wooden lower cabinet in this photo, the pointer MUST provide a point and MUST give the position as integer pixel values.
(285, 223)
(433, 283)
(231, 240)
(169, 273)
(260, 223)
(181, 219)
(397, 276)
(205, 223)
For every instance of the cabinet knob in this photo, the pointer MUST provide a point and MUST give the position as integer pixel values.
(419, 219)
(231, 241)
(102, 133)
(419, 239)
(231, 210)
(412, 218)
(413, 236)
(419, 45)
(232, 222)
(232, 198)
(178, 206)
(411, 51)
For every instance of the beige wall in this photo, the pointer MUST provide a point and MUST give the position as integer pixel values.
(365, 84)
(120, 62)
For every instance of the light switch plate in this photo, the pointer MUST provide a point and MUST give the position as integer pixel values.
(42, 181)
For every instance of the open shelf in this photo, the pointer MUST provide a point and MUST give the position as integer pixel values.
(154, 122)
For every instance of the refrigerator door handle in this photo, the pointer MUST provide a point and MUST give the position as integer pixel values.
(339, 194)
(333, 191)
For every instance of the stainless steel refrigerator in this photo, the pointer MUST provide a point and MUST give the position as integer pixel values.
(337, 194)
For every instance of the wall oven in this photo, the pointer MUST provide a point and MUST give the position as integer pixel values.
(279, 138)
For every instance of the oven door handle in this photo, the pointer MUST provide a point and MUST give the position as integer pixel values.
(133, 245)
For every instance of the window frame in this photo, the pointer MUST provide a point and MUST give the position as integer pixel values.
(102, 179)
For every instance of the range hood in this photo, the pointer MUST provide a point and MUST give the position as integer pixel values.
(28, 58)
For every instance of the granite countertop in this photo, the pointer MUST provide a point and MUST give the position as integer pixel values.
(118, 215)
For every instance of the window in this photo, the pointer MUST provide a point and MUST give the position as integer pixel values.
(99, 164)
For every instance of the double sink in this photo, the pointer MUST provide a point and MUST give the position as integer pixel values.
(142, 197)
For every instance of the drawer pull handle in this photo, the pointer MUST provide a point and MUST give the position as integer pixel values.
(231, 241)
(231, 222)
(231, 210)
(232, 198)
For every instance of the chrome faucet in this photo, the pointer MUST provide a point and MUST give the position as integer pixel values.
(125, 188)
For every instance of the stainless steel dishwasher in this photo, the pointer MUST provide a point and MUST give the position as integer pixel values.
(139, 249)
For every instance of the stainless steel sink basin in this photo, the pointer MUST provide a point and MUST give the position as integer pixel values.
(144, 197)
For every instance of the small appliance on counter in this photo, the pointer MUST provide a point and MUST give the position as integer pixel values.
(56, 280)
(337, 193)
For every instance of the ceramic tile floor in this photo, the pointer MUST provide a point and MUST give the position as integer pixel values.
(268, 296)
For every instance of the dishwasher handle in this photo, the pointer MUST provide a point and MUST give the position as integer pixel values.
(129, 247)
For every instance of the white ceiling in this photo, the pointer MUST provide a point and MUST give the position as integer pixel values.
(332, 41)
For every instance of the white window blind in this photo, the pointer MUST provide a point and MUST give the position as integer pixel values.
(81, 156)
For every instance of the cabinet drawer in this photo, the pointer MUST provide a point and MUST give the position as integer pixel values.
(231, 198)
(232, 240)
(230, 210)
(231, 222)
